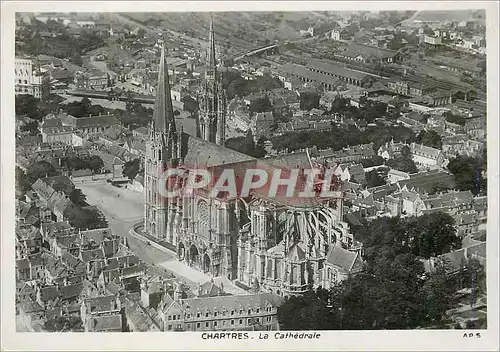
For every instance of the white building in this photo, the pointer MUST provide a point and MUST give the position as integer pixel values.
(29, 81)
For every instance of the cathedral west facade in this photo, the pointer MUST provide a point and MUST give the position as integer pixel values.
(275, 244)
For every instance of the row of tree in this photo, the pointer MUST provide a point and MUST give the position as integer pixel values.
(341, 137)
(236, 85)
(73, 162)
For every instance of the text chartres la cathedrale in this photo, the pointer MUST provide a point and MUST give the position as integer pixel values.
(261, 336)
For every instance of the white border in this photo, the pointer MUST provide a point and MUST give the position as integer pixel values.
(330, 340)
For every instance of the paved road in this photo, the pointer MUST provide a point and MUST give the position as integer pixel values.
(123, 208)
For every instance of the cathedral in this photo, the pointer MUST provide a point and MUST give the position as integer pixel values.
(274, 244)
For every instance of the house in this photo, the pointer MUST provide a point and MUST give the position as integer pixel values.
(340, 34)
(432, 41)
(339, 265)
(451, 202)
(394, 176)
(93, 126)
(456, 261)
(415, 125)
(439, 97)
(460, 144)
(453, 128)
(476, 128)
(348, 154)
(102, 314)
(93, 80)
(369, 54)
(412, 203)
(47, 296)
(220, 313)
(426, 156)
(412, 85)
(30, 312)
(354, 173)
(30, 268)
(178, 92)
(138, 317)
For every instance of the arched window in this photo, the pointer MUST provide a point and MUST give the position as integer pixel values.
(203, 218)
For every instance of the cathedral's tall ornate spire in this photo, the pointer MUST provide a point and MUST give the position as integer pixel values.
(211, 120)
(211, 66)
(163, 116)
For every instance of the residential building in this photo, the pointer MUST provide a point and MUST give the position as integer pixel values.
(426, 156)
(93, 126)
(432, 41)
(30, 81)
(369, 54)
(93, 80)
(262, 124)
(101, 313)
(221, 313)
(340, 34)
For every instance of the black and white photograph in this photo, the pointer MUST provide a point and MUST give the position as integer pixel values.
(251, 176)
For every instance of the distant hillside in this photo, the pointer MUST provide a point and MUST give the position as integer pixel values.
(248, 26)
(455, 15)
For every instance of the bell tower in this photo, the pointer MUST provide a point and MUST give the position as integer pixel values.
(212, 99)
(163, 150)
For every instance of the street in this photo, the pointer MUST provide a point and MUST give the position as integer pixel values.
(123, 208)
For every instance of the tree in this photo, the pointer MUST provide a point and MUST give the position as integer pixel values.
(309, 100)
(450, 117)
(430, 138)
(260, 105)
(190, 104)
(391, 293)
(77, 197)
(31, 127)
(432, 234)
(131, 168)
(373, 161)
(438, 295)
(307, 312)
(259, 150)
(373, 179)
(27, 105)
(85, 217)
(95, 163)
(339, 104)
(403, 164)
(40, 169)
(439, 187)
(468, 174)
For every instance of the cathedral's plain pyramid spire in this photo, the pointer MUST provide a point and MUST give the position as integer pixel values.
(163, 116)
